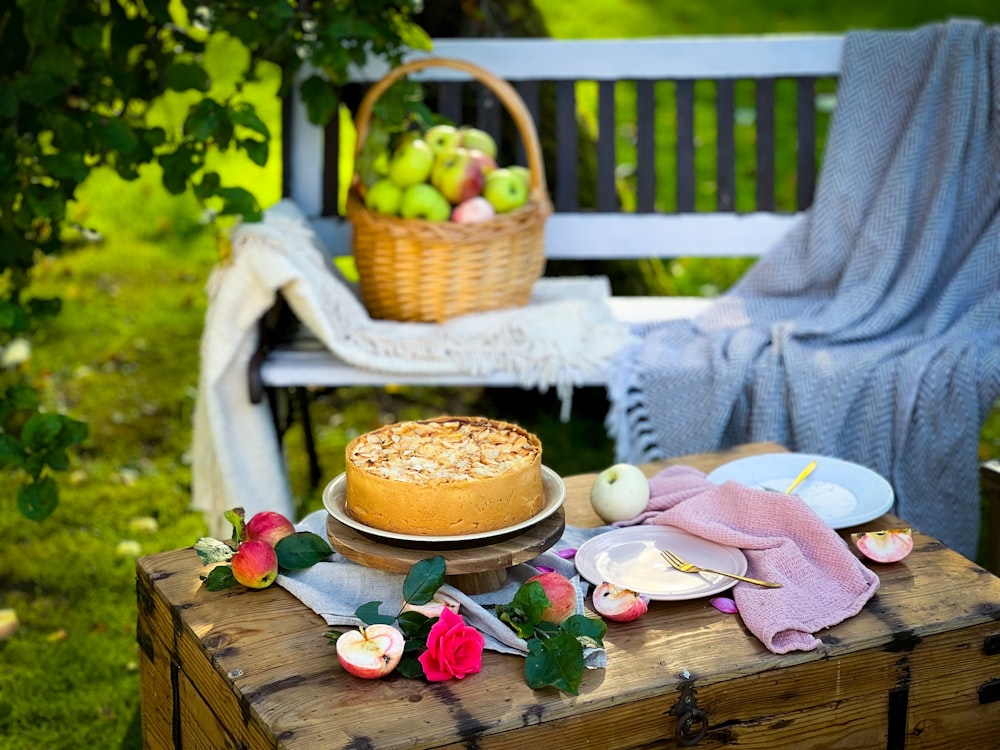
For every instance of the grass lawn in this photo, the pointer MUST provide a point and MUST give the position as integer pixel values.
(123, 357)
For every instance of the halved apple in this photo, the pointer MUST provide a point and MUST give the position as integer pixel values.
(886, 545)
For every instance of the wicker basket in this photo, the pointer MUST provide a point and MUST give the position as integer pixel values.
(419, 270)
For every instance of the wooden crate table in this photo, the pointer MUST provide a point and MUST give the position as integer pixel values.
(919, 667)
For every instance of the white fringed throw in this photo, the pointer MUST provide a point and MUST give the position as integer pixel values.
(565, 330)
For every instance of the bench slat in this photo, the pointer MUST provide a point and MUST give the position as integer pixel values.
(645, 159)
(736, 56)
(765, 144)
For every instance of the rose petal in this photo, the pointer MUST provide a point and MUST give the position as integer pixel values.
(544, 569)
(567, 554)
(724, 604)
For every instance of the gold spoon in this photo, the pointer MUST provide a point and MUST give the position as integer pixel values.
(810, 468)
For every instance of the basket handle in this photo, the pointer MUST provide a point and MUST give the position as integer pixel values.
(506, 93)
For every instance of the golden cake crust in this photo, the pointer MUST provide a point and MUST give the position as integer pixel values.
(444, 477)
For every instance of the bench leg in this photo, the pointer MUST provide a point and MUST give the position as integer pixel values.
(315, 473)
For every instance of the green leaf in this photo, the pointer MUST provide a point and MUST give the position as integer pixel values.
(556, 661)
(368, 614)
(87, 37)
(239, 202)
(525, 610)
(8, 102)
(44, 306)
(41, 430)
(301, 550)
(36, 88)
(208, 120)
(184, 76)
(410, 668)
(588, 630)
(236, 517)
(41, 19)
(219, 578)
(415, 625)
(22, 397)
(319, 98)
(256, 150)
(245, 115)
(115, 136)
(36, 500)
(423, 580)
(11, 451)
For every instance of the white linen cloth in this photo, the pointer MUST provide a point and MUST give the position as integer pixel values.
(872, 331)
(565, 330)
(336, 587)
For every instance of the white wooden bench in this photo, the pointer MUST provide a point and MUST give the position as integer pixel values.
(658, 69)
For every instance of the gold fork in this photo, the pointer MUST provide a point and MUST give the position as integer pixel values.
(685, 567)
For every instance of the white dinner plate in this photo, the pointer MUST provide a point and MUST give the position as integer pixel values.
(842, 493)
(335, 499)
(630, 557)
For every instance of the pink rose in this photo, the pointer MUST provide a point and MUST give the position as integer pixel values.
(454, 649)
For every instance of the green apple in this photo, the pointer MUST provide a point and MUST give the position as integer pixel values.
(411, 163)
(423, 201)
(441, 137)
(505, 190)
(384, 196)
(523, 172)
(478, 139)
(457, 175)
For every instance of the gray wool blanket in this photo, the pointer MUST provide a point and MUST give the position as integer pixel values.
(871, 332)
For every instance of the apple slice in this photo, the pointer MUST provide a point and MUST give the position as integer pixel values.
(619, 604)
(885, 546)
(370, 652)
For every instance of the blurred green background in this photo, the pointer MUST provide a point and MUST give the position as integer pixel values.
(123, 357)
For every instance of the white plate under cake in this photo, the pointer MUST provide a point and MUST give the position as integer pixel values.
(447, 476)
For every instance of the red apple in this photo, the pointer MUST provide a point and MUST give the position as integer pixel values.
(619, 604)
(370, 652)
(561, 594)
(255, 564)
(475, 209)
(269, 526)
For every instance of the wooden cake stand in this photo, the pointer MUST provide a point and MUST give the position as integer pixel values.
(472, 569)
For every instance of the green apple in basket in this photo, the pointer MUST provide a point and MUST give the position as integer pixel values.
(411, 163)
(424, 201)
(384, 197)
(505, 190)
(477, 139)
(441, 138)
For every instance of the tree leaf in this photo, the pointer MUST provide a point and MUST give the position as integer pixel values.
(239, 202)
(37, 499)
(423, 580)
(300, 550)
(11, 451)
(319, 98)
(22, 397)
(185, 76)
(40, 431)
(556, 661)
(256, 150)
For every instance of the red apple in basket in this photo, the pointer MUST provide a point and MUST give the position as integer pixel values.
(475, 209)
(561, 594)
(269, 526)
(370, 652)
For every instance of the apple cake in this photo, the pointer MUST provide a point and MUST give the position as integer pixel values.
(444, 477)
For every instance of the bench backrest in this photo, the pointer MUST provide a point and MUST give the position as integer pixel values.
(645, 104)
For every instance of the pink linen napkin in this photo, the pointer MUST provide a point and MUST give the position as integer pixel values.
(783, 539)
